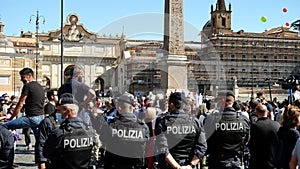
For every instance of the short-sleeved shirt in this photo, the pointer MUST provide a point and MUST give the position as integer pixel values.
(76, 88)
(34, 103)
(296, 151)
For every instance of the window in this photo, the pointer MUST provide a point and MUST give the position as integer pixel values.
(232, 58)
(296, 46)
(275, 46)
(243, 44)
(232, 44)
(254, 44)
(265, 46)
(285, 59)
(224, 22)
(275, 58)
(221, 44)
(266, 59)
(285, 46)
(221, 57)
(243, 70)
(244, 58)
(295, 58)
(254, 57)
(4, 79)
(254, 71)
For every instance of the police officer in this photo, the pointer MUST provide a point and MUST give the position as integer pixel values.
(124, 137)
(180, 139)
(69, 146)
(227, 132)
(6, 148)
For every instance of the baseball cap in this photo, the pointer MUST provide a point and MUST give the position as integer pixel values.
(126, 98)
(67, 98)
(2, 98)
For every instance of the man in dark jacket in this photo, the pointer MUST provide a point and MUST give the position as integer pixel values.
(227, 132)
(45, 128)
(6, 149)
(264, 140)
(70, 145)
(180, 139)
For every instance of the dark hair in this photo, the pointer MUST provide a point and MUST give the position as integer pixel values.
(72, 70)
(26, 71)
(290, 117)
(178, 99)
(50, 93)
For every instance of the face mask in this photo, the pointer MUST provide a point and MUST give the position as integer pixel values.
(25, 82)
(59, 118)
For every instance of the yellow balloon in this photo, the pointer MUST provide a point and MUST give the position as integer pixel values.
(264, 19)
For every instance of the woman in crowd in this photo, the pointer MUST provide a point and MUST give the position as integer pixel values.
(288, 136)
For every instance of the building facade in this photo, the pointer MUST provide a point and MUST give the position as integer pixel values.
(96, 54)
(249, 59)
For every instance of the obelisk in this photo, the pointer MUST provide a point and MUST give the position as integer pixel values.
(173, 62)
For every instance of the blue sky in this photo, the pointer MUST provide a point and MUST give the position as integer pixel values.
(144, 17)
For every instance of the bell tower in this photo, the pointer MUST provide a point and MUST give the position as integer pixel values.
(221, 18)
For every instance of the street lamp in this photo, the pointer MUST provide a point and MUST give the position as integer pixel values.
(37, 22)
(61, 42)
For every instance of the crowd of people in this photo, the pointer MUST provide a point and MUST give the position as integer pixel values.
(76, 128)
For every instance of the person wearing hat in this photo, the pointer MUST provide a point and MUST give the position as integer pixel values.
(70, 145)
(32, 98)
(227, 133)
(124, 137)
(180, 139)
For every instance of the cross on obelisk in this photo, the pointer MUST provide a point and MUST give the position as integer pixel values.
(173, 62)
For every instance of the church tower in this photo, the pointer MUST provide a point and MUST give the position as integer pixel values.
(220, 18)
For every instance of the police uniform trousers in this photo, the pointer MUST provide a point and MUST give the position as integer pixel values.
(224, 162)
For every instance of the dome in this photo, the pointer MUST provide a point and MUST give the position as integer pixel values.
(207, 25)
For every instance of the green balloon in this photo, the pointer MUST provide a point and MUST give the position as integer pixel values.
(263, 19)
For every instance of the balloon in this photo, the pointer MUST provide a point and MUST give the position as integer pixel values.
(287, 24)
(284, 10)
(263, 19)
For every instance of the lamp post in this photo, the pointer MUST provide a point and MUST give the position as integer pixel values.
(37, 22)
(62, 41)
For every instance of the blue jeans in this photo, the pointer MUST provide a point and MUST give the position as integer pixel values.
(25, 122)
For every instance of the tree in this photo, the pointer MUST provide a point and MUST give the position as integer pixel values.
(296, 25)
